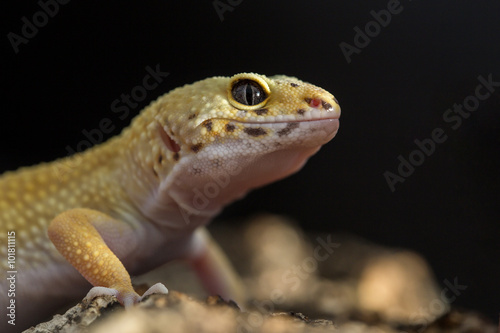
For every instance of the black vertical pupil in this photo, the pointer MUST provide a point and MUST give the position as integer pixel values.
(248, 92)
(251, 93)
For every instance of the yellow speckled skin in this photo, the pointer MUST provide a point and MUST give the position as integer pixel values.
(143, 197)
(79, 242)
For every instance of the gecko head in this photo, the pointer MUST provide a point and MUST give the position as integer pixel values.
(252, 128)
(246, 114)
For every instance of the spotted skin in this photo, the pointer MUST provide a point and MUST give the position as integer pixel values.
(81, 244)
(142, 198)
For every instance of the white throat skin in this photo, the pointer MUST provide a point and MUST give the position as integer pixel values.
(201, 184)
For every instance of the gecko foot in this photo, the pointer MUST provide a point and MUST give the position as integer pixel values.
(126, 298)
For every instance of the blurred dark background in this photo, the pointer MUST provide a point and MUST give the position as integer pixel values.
(395, 89)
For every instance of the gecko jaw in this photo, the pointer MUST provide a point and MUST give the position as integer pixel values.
(312, 115)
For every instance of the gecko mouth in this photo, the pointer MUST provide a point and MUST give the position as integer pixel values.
(314, 130)
(278, 120)
(283, 120)
(331, 121)
(314, 115)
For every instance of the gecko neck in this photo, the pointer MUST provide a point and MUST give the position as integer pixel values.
(187, 198)
(142, 165)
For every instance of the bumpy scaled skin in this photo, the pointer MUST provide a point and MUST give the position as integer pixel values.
(142, 198)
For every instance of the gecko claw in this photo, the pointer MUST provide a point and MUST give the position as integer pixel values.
(127, 299)
(158, 288)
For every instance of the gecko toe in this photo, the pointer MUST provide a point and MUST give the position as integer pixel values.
(127, 299)
(158, 288)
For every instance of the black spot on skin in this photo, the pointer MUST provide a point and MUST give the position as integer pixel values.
(255, 131)
(260, 112)
(308, 100)
(196, 148)
(208, 125)
(294, 84)
(176, 156)
(155, 173)
(289, 127)
(196, 171)
(326, 106)
(160, 159)
(191, 116)
(301, 111)
(230, 127)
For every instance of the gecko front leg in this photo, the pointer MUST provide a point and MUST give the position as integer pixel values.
(92, 242)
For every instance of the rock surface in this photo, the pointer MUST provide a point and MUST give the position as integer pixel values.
(349, 284)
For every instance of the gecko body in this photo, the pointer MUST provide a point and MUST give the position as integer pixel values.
(142, 198)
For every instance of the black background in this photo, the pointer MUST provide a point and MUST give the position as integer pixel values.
(394, 91)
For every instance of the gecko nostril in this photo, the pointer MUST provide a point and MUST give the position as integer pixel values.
(315, 102)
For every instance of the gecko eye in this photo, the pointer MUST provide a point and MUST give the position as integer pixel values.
(248, 92)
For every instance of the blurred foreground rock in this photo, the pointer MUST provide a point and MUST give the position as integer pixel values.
(345, 284)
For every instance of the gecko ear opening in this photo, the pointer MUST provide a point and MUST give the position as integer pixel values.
(168, 141)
